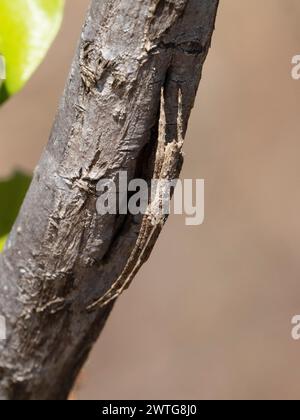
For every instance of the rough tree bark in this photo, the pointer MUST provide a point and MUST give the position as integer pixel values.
(138, 62)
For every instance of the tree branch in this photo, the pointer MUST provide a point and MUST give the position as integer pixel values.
(64, 264)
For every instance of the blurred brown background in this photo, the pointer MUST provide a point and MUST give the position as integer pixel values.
(209, 317)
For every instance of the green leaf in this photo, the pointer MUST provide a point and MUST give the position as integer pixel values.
(27, 29)
(12, 193)
(2, 242)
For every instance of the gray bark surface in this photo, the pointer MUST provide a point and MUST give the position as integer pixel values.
(62, 257)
